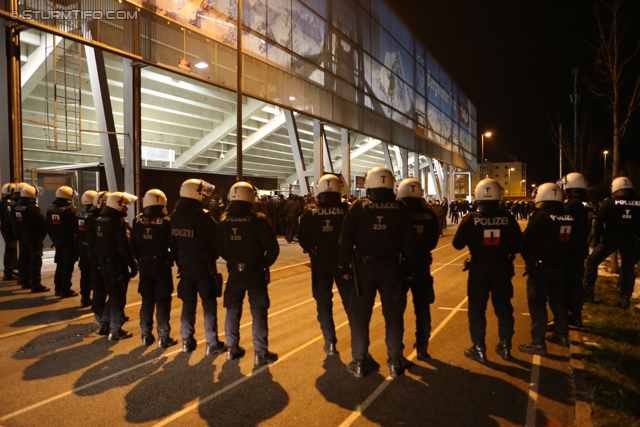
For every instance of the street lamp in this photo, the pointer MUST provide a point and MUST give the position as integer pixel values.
(509, 187)
(487, 134)
(605, 166)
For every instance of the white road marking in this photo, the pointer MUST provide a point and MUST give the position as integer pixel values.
(369, 400)
(449, 308)
(533, 392)
(132, 368)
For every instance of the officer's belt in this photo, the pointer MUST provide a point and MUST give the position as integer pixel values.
(243, 267)
(155, 257)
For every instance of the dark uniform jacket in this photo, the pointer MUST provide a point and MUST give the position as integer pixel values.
(491, 236)
(30, 223)
(583, 217)
(194, 231)
(319, 228)
(152, 238)
(62, 224)
(381, 229)
(425, 223)
(549, 238)
(247, 238)
(618, 218)
(111, 236)
(5, 218)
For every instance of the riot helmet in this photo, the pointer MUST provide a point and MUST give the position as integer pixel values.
(574, 180)
(329, 189)
(621, 186)
(154, 203)
(409, 187)
(17, 190)
(242, 196)
(65, 192)
(29, 192)
(87, 200)
(549, 192)
(100, 199)
(488, 190)
(197, 189)
(379, 183)
(119, 200)
(7, 189)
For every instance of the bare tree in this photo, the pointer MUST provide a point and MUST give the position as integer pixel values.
(617, 83)
(588, 141)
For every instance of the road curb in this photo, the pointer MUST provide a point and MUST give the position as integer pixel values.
(582, 405)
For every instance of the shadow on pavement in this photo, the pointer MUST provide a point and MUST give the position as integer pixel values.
(51, 316)
(151, 362)
(29, 301)
(70, 360)
(54, 340)
(248, 404)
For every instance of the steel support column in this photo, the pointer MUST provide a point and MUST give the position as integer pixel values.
(104, 117)
(404, 155)
(318, 158)
(346, 158)
(132, 132)
(416, 166)
(11, 166)
(387, 157)
(298, 159)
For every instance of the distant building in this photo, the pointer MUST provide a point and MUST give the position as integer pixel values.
(511, 175)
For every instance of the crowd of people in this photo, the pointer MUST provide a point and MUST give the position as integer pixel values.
(378, 244)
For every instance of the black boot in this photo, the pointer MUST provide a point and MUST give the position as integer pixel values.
(264, 358)
(189, 345)
(421, 351)
(215, 349)
(477, 353)
(167, 342)
(235, 352)
(103, 329)
(503, 349)
(624, 302)
(539, 348)
(561, 340)
(356, 367)
(589, 294)
(148, 339)
(395, 368)
(119, 335)
(329, 348)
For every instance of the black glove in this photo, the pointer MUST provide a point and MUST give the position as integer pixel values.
(133, 270)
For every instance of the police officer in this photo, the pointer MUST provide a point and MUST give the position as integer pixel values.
(99, 305)
(195, 233)
(153, 246)
(247, 242)
(13, 202)
(84, 262)
(10, 260)
(111, 244)
(61, 227)
(493, 237)
(318, 234)
(548, 242)
(576, 205)
(616, 228)
(427, 229)
(377, 231)
(32, 229)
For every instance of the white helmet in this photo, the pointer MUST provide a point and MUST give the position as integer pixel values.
(154, 197)
(242, 191)
(29, 192)
(100, 198)
(409, 187)
(7, 189)
(329, 183)
(119, 200)
(379, 177)
(549, 192)
(65, 192)
(488, 190)
(574, 180)
(88, 196)
(620, 183)
(19, 186)
(197, 189)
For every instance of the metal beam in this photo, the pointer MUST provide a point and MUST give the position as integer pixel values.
(318, 158)
(345, 151)
(222, 130)
(297, 152)
(404, 156)
(133, 132)
(263, 132)
(387, 157)
(11, 153)
(104, 116)
(326, 154)
(416, 166)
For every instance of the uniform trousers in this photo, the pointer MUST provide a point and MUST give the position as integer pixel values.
(116, 279)
(10, 260)
(65, 260)
(628, 254)
(323, 273)
(100, 307)
(30, 263)
(292, 229)
(545, 283)
(196, 279)
(378, 275)
(156, 287)
(490, 279)
(421, 286)
(253, 284)
(84, 264)
(573, 278)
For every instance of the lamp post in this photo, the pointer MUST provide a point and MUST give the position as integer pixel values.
(487, 134)
(523, 187)
(509, 187)
(605, 166)
(533, 189)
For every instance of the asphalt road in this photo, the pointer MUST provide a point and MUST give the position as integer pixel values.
(56, 372)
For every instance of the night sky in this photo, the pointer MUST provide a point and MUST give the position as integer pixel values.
(514, 60)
